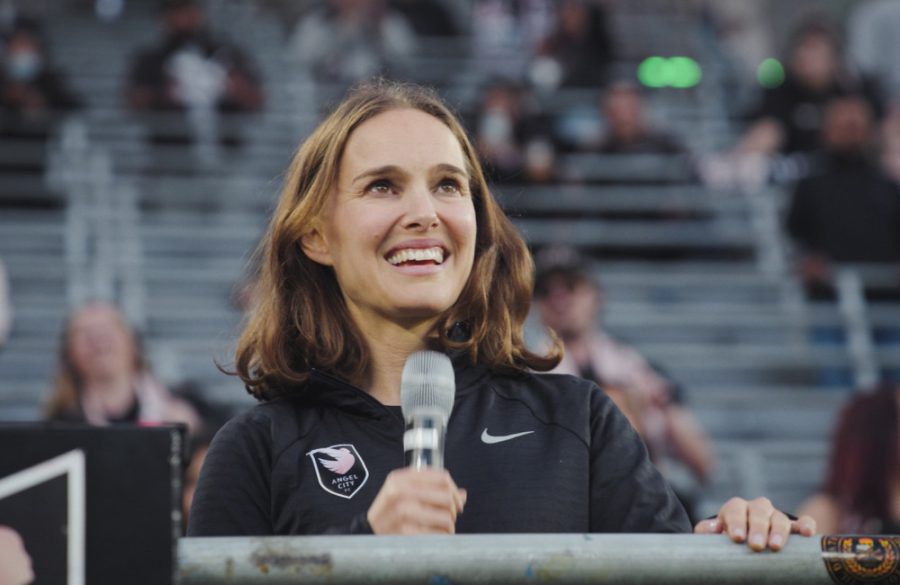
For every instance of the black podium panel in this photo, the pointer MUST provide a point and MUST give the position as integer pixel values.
(93, 505)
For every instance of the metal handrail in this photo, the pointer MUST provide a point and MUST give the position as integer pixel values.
(491, 558)
(860, 344)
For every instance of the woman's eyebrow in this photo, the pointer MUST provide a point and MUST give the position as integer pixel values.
(385, 170)
(448, 168)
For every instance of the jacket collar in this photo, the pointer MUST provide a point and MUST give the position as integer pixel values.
(328, 389)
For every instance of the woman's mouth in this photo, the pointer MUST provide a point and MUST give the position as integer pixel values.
(417, 256)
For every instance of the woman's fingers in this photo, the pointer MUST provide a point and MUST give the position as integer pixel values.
(709, 526)
(733, 516)
(416, 501)
(419, 518)
(759, 523)
(756, 522)
(804, 526)
(779, 530)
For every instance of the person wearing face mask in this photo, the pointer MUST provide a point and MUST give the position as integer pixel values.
(386, 240)
(32, 93)
(103, 379)
(512, 135)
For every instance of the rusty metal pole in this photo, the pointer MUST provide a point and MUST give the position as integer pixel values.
(487, 559)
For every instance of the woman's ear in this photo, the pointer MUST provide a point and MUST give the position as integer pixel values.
(315, 247)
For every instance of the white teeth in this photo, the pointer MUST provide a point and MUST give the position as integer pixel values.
(417, 254)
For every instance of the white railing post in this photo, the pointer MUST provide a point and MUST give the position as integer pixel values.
(772, 255)
(68, 172)
(860, 344)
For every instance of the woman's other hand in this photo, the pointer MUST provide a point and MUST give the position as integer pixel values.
(757, 522)
(417, 501)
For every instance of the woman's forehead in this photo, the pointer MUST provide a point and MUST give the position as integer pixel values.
(405, 138)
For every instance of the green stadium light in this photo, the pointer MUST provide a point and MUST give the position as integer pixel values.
(679, 72)
(770, 73)
(653, 72)
(684, 72)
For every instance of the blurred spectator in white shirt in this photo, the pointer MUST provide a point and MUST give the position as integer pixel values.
(350, 40)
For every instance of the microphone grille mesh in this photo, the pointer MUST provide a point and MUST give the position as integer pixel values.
(428, 385)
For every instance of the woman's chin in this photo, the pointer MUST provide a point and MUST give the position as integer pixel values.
(418, 313)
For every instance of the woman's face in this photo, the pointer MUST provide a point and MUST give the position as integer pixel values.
(399, 228)
(99, 345)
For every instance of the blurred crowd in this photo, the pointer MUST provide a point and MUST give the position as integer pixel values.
(551, 92)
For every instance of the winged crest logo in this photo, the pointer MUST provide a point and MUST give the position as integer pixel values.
(339, 469)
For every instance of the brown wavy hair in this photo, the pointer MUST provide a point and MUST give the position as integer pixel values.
(300, 320)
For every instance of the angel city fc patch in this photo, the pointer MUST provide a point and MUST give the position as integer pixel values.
(862, 559)
(340, 469)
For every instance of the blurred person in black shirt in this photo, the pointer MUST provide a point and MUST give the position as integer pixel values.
(32, 92)
(628, 131)
(847, 210)
(579, 50)
(790, 116)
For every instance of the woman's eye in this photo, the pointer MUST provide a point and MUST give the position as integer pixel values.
(449, 186)
(381, 187)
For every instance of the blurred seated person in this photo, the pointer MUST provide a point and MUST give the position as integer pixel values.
(578, 51)
(861, 493)
(628, 130)
(512, 135)
(570, 302)
(346, 41)
(102, 377)
(630, 134)
(789, 117)
(32, 92)
(191, 72)
(847, 210)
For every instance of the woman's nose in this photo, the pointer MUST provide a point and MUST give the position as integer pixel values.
(421, 212)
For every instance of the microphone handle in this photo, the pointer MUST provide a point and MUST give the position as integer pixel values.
(423, 442)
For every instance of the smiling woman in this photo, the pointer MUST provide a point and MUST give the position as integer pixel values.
(400, 229)
(386, 241)
(388, 176)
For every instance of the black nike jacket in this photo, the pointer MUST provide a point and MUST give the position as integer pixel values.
(536, 452)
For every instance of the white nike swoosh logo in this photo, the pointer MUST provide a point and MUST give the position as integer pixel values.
(491, 439)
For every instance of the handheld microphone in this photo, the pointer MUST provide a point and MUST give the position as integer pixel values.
(427, 390)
